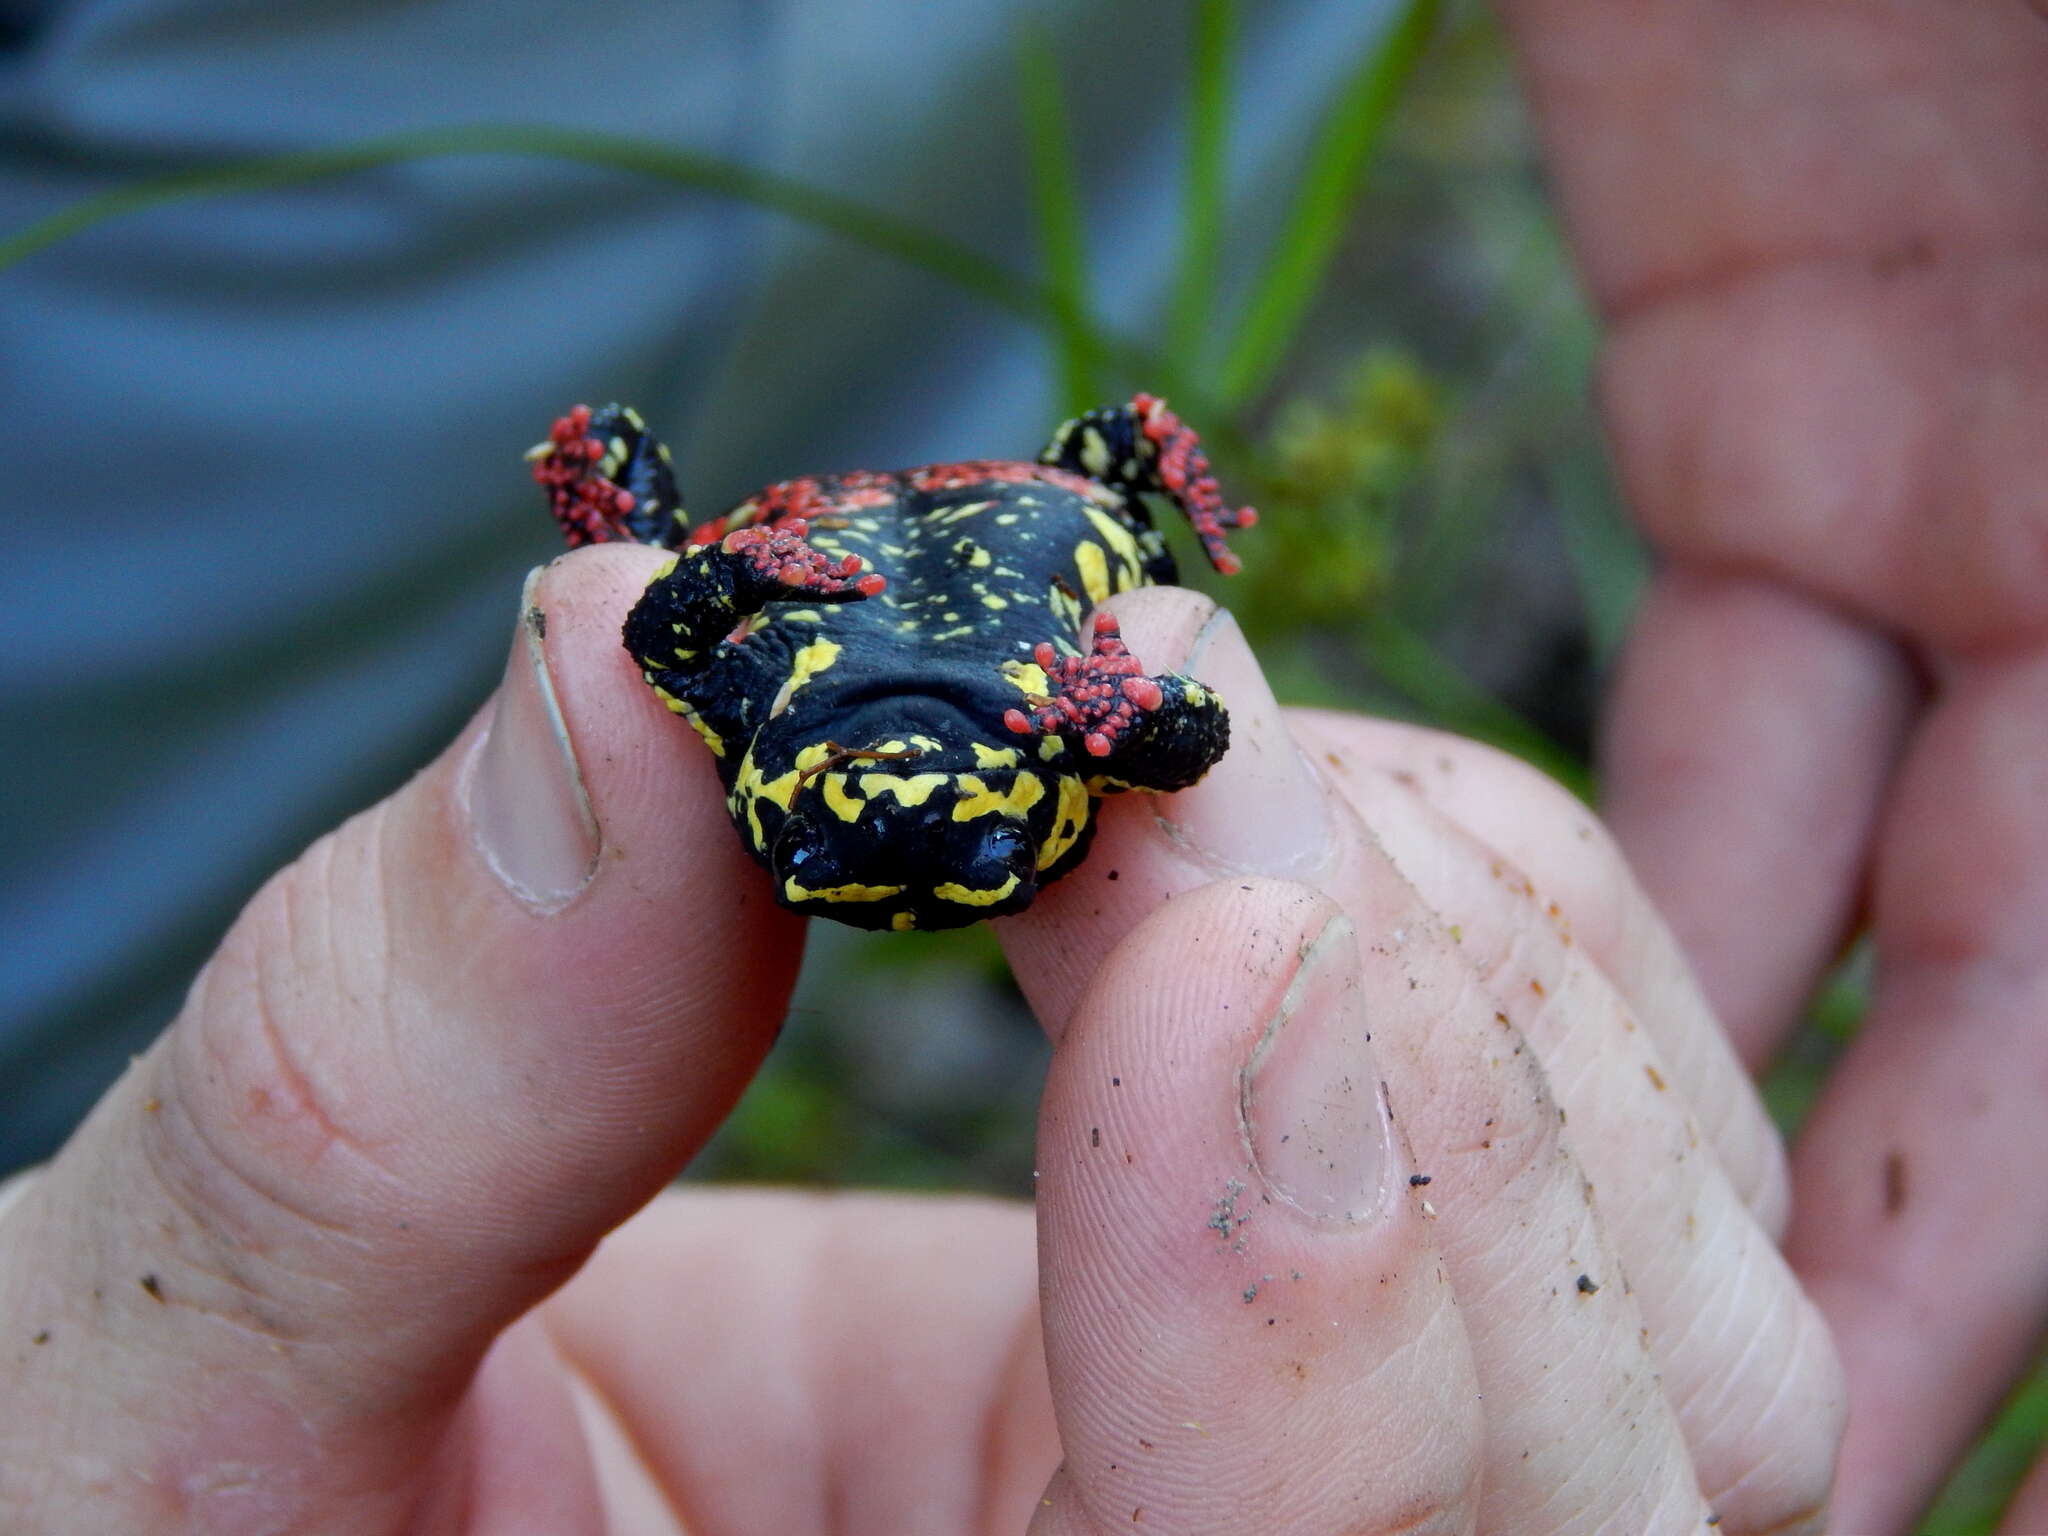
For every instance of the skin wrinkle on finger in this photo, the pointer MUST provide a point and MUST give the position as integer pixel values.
(1593, 1081)
(1787, 142)
(1761, 113)
(399, 1107)
(1217, 1357)
(1676, 1220)
(1771, 1471)
(1530, 826)
(1784, 320)
(1894, 474)
(1503, 1180)
(1514, 1216)
(1683, 1235)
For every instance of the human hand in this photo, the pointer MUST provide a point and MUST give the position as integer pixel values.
(277, 1280)
(1547, 1062)
(1819, 235)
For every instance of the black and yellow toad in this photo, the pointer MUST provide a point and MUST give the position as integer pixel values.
(891, 668)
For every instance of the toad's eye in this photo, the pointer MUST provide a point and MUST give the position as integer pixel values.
(799, 843)
(1003, 843)
(1003, 852)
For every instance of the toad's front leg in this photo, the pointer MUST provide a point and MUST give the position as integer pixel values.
(1132, 731)
(711, 588)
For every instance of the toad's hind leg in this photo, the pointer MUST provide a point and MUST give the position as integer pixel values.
(1144, 448)
(711, 588)
(609, 478)
(1131, 731)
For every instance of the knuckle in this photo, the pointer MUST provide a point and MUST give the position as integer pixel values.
(263, 1132)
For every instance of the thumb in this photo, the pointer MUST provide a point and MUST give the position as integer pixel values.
(433, 1062)
(1246, 1324)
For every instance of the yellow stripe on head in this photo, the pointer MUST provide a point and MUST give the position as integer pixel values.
(972, 898)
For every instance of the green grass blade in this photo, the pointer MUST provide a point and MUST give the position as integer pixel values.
(1300, 259)
(851, 220)
(1062, 224)
(1410, 665)
(1979, 1490)
(1192, 317)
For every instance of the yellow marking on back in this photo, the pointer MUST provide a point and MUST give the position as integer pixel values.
(666, 568)
(846, 807)
(928, 743)
(977, 554)
(990, 600)
(712, 739)
(806, 664)
(1027, 677)
(1114, 534)
(1068, 823)
(796, 892)
(1065, 605)
(909, 789)
(749, 788)
(1094, 452)
(1109, 784)
(1094, 567)
(986, 756)
(688, 711)
(902, 922)
(972, 898)
(1050, 747)
(977, 799)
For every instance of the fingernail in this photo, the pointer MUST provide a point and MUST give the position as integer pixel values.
(1311, 1105)
(529, 813)
(1261, 809)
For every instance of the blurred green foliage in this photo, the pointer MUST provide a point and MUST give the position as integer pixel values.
(1337, 477)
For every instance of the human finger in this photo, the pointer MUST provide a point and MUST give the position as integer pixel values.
(431, 1064)
(1247, 1325)
(1516, 1221)
(1744, 1355)
(1823, 359)
(1922, 1224)
(844, 1361)
(1750, 736)
(1555, 861)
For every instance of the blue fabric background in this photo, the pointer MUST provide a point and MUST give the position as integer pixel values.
(265, 514)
